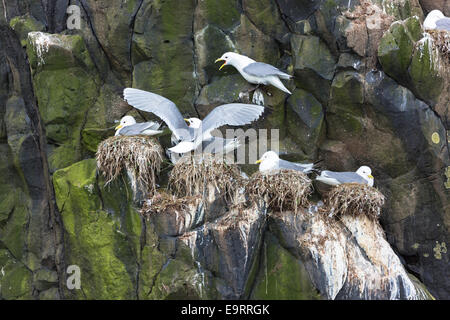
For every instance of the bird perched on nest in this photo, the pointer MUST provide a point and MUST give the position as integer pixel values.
(255, 72)
(271, 162)
(129, 127)
(436, 20)
(362, 176)
(193, 136)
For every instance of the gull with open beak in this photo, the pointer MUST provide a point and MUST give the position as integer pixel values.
(255, 72)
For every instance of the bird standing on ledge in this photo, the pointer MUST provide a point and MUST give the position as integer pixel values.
(255, 72)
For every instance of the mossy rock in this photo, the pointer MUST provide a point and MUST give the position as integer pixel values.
(266, 16)
(22, 25)
(222, 90)
(221, 13)
(92, 137)
(305, 118)
(314, 65)
(396, 48)
(99, 235)
(424, 71)
(15, 278)
(210, 44)
(252, 42)
(281, 276)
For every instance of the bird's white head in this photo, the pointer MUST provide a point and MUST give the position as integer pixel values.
(432, 17)
(268, 161)
(125, 122)
(194, 122)
(235, 59)
(366, 173)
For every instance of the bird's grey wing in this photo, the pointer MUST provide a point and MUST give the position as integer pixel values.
(261, 69)
(234, 114)
(161, 107)
(283, 164)
(137, 128)
(215, 145)
(344, 177)
(443, 24)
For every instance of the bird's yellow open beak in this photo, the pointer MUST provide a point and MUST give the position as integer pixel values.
(371, 176)
(258, 162)
(187, 121)
(221, 65)
(119, 127)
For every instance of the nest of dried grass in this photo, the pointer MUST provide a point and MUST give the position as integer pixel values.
(191, 176)
(354, 199)
(285, 190)
(442, 41)
(140, 155)
(164, 202)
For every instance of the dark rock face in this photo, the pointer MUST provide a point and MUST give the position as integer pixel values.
(369, 89)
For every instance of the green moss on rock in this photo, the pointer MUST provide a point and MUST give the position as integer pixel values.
(282, 276)
(97, 237)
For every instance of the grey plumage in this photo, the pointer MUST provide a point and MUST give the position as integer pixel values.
(138, 128)
(161, 107)
(233, 114)
(443, 24)
(261, 69)
(306, 168)
(343, 177)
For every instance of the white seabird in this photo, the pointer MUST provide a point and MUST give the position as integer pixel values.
(198, 133)
(362, 176)
(255, 72)
(129, 127)
(271, 162)
(436, 20)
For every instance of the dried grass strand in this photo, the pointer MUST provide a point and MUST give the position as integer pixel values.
(140, 155)
(354, 199)
(285, 190)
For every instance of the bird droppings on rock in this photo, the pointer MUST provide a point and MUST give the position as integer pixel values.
(191, 176)
(286, 190)
(140, 156)
(354, 199)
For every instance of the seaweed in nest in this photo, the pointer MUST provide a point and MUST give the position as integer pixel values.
(354, 199)
(139, 155)
(285, 190)
(192, 175)
(163, 202)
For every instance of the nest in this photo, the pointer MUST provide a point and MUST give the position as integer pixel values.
(192, 176)
(286, 190)
(163, 202)
(442, 41)
(354, 199)
(139, 155)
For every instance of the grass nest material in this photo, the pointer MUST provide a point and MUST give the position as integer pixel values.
(191, 176)
(442, 41)
(165, 202)
(286, 190)
(354, 199)
(140, 155)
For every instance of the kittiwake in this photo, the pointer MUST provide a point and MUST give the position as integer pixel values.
(255, 72)
(129, 127)
(192, 136)
(362, 176)
(436, 20)
(271, 162)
